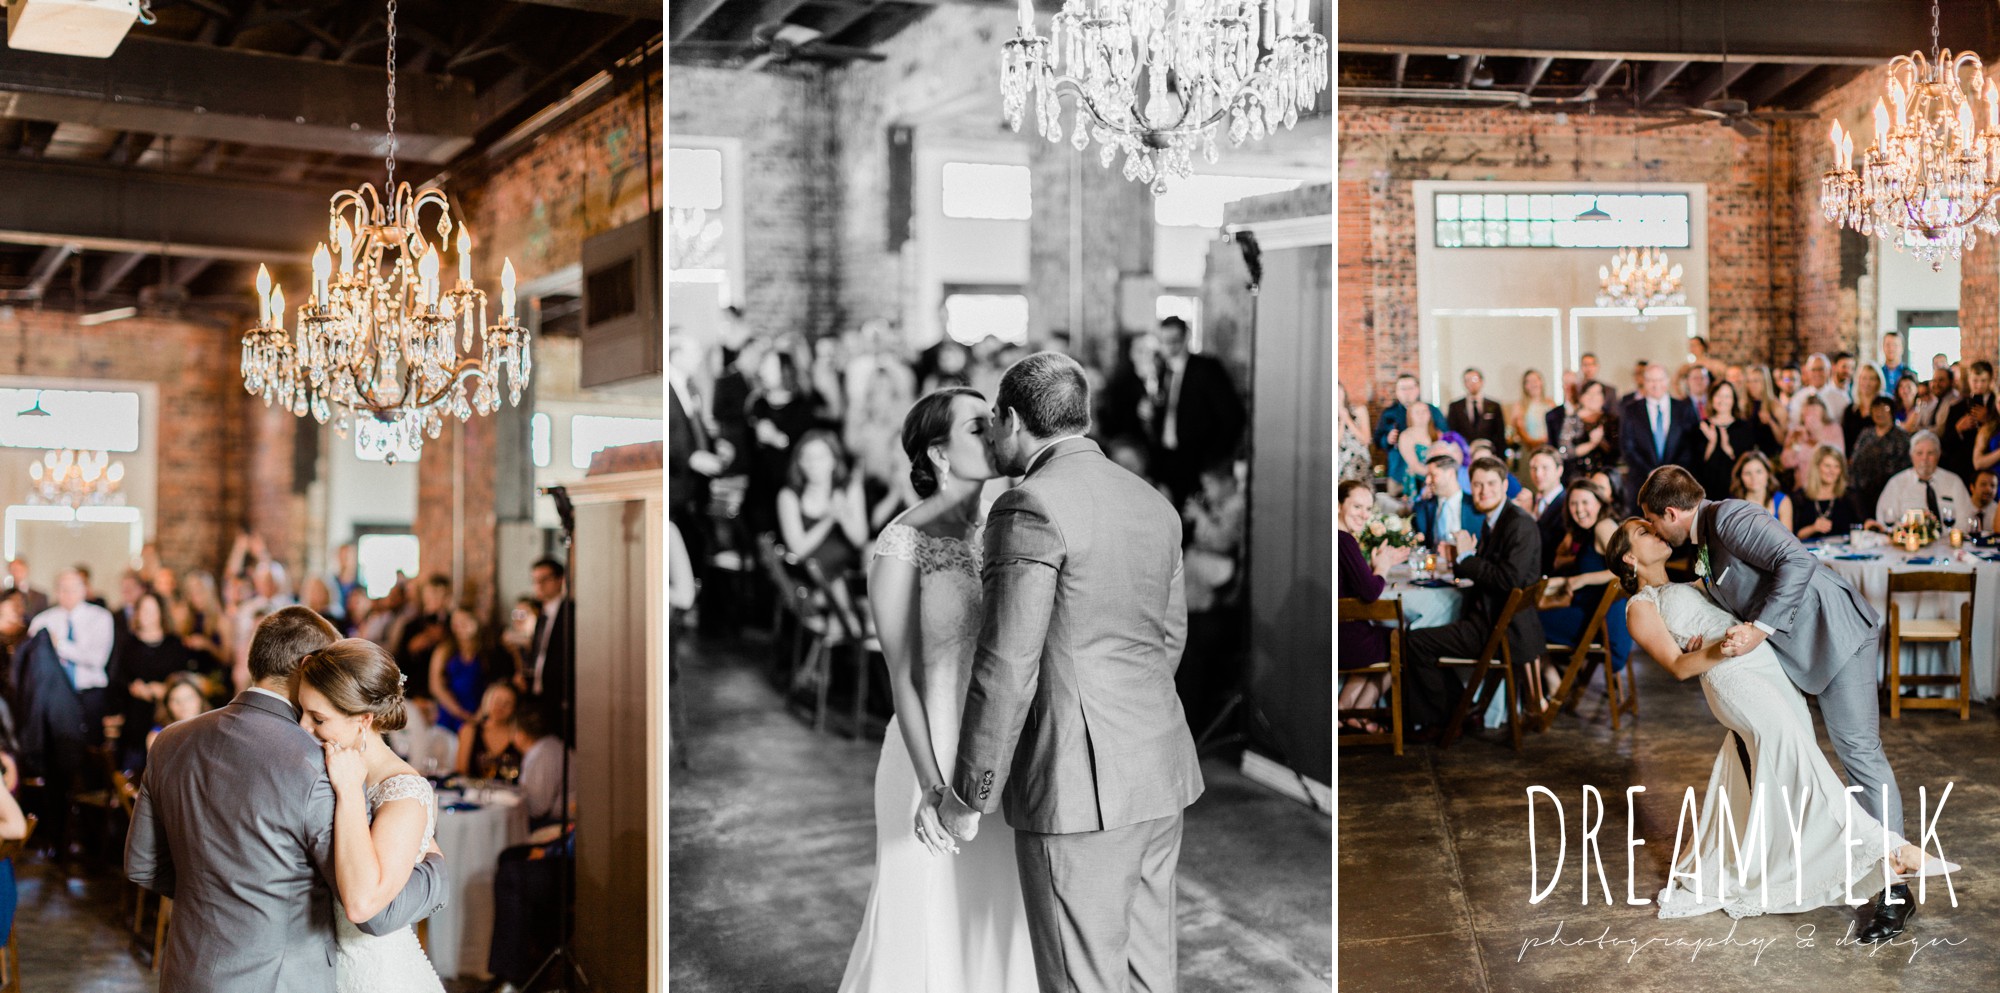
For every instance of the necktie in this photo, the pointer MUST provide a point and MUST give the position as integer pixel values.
(1659, 431)
(697, 417)
(1930, 499)
(1170, 435)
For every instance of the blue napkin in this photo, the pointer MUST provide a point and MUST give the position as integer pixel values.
(464, 805)
(1924, 560)
(1433, 584)
(1859, 556)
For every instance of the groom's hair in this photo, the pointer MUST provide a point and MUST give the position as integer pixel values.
(1670, 486)
(1049, 392)
(284, 638)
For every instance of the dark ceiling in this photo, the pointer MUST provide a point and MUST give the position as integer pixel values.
(218, 133)
(1650, 58)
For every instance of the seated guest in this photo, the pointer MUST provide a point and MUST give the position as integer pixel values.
(186, 697)
(461, 668)
(148, 655)
(542, 794)
(1753, 481)
(84, 636)
(528, 880)
(1724, 435)
(1585, 582)
(1985, 489)
(486, 743)
(1446, 511)
(1822, 505)
(1361, 644)
(1923, 486)
(821, 513)
(1544, 500)
(1509, 558)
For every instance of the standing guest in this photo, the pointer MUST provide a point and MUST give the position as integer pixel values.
(1638, 382)
(422, 635)
(84, 635)
(1963, 420)
(1361, 644)
(1724, 436)
(1760, 408)
(1411, 450)
(1510, 558)
(541, 749)
(1986, 446)
(1935, 402)
(1786, 378)
(827, 375)
(735, 384)
(1733, 374)
(1355, 461)
(1699, 358)
(1658, 430)
(1697, 385)
(1822, 505)
(148, 655)
(1586, 437)
(1446, 512)
(1819, 385)
(355, 620)
(782, 412)
(1528, 417)
(1586, 367)
(1543, 499)
(1131, 395)
(1894, 370)
(346, 576)
(317, 597)
(1754, 481)
(198, 618)
(486, 743)
(460, 670)
(1476, 417)
(1923, 486)
(1396, 416)
(1200, 418)
(547, 673)
(1880, 452)
(13, 631)
(517, 639)
(943, 365)
(1908, 394)
(1570, 382)
(1860, 414)
(694, 455)
(1813, 430)
(130, 588)
(822, 515)
(1985, 489)
(184, 698)
(1586, 581)
(34, 601)
(1843, 374)
(869, 430)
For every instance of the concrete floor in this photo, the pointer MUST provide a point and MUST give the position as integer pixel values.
(1434, 875)
(772, 843)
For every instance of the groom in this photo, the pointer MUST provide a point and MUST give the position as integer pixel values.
(234, 823)
(1071, 709)
(1825, 634)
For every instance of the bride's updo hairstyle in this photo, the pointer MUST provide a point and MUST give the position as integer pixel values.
(1615, 551)
(357, 677)
(929, 423)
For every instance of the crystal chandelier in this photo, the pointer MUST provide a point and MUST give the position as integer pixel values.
(1639, 278)
(379, 336)
(69, 477)
(1155, 78)
(1928, 180)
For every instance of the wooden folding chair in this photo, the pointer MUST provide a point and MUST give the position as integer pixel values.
(791, 595)
(1484, 681)
(1592, 649)
(1385, 610)
(10, 955)
(1930, 630)
(845, 635)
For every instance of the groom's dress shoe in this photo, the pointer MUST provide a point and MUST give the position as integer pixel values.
(1890, 920)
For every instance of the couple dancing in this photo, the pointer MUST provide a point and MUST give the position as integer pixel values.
(1769, 626)
(1032, 664)
(248, 814)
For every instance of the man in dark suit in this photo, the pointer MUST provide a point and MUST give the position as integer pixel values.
(1656, 430)
(1474, 416)
(1506, 557)
(694, 456)
(1546, 500)
(33, 601)
(545, 672)
(1201, 416)
(1447, 511)
(1964, 419)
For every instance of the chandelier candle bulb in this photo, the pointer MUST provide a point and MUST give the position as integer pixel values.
(428, 268)
(1027, 11)
(507, 290)
(465, 255)
(322, 269)
(278, 307)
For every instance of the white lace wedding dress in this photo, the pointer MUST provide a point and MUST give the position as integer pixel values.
(938, 923)
(390, 963)
(1759, 704)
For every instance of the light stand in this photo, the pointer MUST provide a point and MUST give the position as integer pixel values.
(566, 695)
(1223, 732)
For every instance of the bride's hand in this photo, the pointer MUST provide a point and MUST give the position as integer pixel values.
(345, 768)
(930, 830)
(1694, 644)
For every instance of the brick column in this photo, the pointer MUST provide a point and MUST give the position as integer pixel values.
(1111, 221)
(276, 509)
(1979, 301)
(457, 528)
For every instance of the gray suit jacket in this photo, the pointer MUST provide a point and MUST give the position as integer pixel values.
(1071, 714)
(1760, 572)
(235, 823)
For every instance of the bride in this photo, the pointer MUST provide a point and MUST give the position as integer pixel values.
(384, 816)
(942, 915)
(1773, 760)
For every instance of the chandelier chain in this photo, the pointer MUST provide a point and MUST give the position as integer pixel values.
(390, 159)
(1934, 30)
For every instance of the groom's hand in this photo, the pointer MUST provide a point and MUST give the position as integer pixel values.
(962, 821)
(1741, 639)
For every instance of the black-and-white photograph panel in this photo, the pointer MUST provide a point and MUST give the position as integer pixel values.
(332, 496)
(1668, 557)
(1000, 368)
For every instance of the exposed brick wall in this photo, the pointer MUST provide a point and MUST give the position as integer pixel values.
(457, 523)
(207, 465)
(1835, 298)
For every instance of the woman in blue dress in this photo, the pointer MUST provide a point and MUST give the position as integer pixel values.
(1587, 581)
(459, 671)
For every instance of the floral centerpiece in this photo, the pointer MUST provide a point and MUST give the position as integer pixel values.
(1917, 529)
(1388, 531)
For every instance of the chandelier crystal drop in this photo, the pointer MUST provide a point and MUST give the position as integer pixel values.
(1927, 182)
(379, 336)
(1642, 279)
(1155, 79)
(73, 478)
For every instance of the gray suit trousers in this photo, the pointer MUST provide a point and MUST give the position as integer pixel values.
(1853, 722)
(1101, 907)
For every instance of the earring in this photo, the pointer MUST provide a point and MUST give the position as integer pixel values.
(944, 472)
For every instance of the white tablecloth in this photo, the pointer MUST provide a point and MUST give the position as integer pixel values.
(472, 840)
(1871, 577)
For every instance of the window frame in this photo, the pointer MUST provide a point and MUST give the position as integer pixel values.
(1437, 218)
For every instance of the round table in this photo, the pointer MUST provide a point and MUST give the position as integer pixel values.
(1871, 577)
(472, 839)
